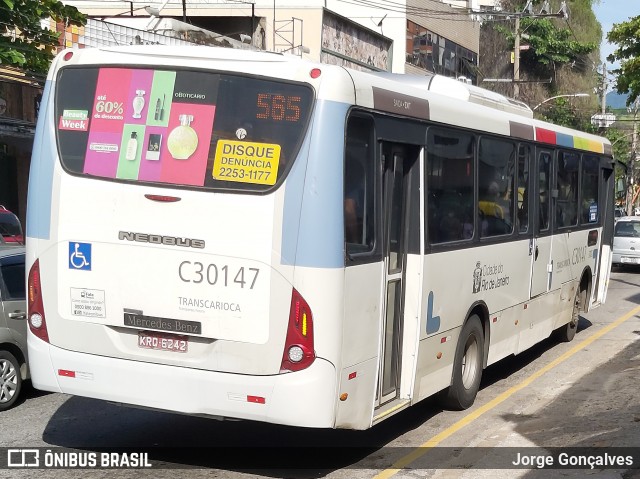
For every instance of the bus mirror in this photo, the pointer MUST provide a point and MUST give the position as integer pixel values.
(620, 186)
(554, 193)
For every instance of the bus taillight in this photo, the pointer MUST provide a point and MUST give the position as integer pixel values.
(35, 308)
(298, 348)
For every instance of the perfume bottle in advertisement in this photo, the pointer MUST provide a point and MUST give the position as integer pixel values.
(138, 103)
(153, 147)
(159, 114)
(183, 140)
(132, 147)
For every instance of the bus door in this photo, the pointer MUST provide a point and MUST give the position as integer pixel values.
(607, 208)
(541, 245)
(397, 162)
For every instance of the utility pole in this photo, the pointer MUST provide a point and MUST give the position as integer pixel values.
(633, 161)
(604, 89)
(528, 12)
(516, 61)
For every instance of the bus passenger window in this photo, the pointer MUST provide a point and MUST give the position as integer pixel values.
(450, 185)
(358, 185)
(589, 190)
(567, 186)
(544, 178)
(496, 187)
(523, 188)
(353, 200)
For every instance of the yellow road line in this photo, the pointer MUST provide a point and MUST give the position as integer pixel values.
(438, 438)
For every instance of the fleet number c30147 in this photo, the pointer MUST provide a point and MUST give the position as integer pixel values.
(213, 274)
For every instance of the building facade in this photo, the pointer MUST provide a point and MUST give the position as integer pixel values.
(20, 96)
(406, 36)
(409, 36)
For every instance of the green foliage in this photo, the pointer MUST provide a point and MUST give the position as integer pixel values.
(621, 142)
(562, 112)
(627, 36)
(552, 44)
(562, 57)
(548, 45)
(24, 43)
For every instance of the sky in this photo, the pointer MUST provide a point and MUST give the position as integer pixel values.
(609, 12)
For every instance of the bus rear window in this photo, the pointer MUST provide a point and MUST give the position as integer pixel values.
(186, 128)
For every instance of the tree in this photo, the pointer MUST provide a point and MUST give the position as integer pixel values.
(562, 112)
(558, 55)
(23, 42)
(627, 36)
(549, 47)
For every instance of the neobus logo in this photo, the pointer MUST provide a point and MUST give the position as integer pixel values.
(159, 239)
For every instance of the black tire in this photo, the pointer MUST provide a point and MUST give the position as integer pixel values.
(467, 367)
(566, 333)
(10, 380)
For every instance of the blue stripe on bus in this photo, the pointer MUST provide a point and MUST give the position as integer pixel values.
(313, 199)
(293, 204)
(41, 171)
(564, 140)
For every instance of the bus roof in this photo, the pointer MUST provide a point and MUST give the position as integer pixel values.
(428, 97)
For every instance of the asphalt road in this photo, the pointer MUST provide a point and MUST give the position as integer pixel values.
(573, 396)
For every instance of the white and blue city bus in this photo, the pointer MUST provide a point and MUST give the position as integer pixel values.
(249, 235)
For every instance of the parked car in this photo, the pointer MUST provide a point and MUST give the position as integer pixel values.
(626, 241)
(618, 213)
(10, 227)
(13, 324)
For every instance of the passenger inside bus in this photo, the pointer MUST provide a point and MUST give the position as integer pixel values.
(353, 200)
(494, 211)
(566, 210)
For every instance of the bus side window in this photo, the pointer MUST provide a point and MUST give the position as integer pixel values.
(359, 174)
(496, 173)
(567, 186)
(450, 173)
(544, 188)
(354, 180)
(589, 190)
(523, 188)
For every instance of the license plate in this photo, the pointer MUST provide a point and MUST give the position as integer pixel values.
(626, 259)
(163, 342)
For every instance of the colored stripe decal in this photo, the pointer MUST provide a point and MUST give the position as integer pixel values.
(520, 130)
(564, 140)
(595, 146)
(546, 136)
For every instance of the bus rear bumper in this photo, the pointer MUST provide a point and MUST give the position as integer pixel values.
(304, 398)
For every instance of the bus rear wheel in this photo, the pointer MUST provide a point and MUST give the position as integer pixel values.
(467, 367)
(567, 332)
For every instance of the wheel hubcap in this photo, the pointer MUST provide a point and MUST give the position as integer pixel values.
(576, 310)
(8, 381)
(470, 362)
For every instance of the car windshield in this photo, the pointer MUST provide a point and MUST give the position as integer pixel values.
(628, 229)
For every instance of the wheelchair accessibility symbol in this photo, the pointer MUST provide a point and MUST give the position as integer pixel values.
(80, 256)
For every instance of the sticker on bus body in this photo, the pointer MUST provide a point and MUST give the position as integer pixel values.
(74, 120)
(88, 303)
(80, 256)
(246, 162)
